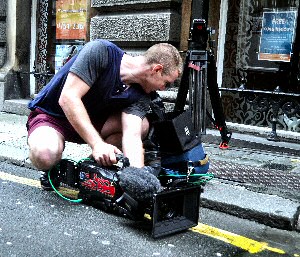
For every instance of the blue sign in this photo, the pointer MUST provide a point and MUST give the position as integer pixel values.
(278, 29)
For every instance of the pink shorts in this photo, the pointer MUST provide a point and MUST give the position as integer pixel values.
(38, 118)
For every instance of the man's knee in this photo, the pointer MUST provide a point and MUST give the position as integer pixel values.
(45, 148)
(44, 159)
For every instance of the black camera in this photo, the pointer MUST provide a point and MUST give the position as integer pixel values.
(174, 210)
(171, 210)
(199, 35)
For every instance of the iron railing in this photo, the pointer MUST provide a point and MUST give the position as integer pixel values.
(275, 101)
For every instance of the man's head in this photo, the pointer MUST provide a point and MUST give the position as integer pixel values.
(166, 55)
(165, 65)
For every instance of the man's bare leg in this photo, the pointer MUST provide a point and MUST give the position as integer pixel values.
(45, 151)
(45, 147)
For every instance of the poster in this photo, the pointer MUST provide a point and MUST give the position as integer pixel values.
(71, 18)
(60, 55)
(277, 34)
(63, 53)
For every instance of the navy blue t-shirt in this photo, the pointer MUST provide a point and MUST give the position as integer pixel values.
(98, 65)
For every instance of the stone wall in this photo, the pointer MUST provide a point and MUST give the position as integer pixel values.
(136, 24)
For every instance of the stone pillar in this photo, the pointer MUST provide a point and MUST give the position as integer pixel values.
(136, 24)
(2, 32)
(18, 78)
(3, 47)
(14, 48)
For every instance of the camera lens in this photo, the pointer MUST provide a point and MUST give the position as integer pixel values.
(171, 214)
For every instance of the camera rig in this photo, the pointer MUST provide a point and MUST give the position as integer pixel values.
(173, 207)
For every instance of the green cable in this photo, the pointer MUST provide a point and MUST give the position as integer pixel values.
(83, 159)
(209, 177)
(56, 191)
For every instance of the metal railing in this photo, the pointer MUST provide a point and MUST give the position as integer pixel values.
(270, 100)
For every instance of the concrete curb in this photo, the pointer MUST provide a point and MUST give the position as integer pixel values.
(236, 200)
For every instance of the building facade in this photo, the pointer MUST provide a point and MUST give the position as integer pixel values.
(259, 58)
(257, 47)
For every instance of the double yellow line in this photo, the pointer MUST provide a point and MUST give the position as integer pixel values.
(242, 242)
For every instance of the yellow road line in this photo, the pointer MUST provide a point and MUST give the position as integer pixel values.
(20, 180)
(242, 242)
(35, 183)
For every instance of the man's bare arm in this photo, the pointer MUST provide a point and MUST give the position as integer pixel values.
(73, 107)
(132, 139)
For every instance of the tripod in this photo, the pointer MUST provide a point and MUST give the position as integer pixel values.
(200, 75)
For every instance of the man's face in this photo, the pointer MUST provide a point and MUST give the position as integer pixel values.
(157, 81)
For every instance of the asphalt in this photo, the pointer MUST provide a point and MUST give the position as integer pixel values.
(254, 178)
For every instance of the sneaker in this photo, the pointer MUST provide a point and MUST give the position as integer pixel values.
(45, 183)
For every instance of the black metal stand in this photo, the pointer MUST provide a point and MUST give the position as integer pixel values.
(195, 81)
(200, 75)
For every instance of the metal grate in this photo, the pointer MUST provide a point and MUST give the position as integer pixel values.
(255, 175)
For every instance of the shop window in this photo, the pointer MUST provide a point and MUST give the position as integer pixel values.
(261, 75)
(265, 52)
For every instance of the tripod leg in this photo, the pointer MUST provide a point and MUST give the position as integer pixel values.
(198, 92)
(183, 87)
(216, 102)
(194, 81)
(204, 99)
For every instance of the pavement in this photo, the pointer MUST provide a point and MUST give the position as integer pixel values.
(255, 179)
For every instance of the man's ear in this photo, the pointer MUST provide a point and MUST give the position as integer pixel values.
(158, 67)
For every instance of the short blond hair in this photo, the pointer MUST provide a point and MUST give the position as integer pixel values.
(166, 55)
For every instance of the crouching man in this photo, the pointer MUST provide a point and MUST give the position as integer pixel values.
(100, 97)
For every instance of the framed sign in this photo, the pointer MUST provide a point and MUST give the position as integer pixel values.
(71, 16)
(277, 34)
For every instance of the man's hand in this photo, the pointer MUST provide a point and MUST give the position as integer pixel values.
(74, 109)
(105, 154)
